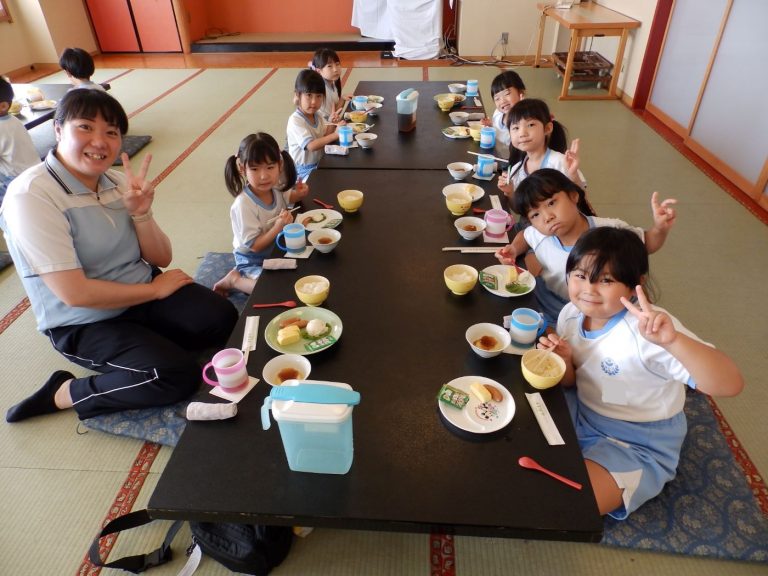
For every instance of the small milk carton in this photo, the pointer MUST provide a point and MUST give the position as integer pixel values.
(315, 421)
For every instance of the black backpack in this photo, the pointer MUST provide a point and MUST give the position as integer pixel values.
(246, 548)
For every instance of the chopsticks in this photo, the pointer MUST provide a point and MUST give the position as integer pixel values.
(494, 157)
(471, 249)
(278, 216)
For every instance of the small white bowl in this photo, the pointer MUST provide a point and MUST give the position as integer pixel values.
(365, 139)
(465, 221)
(459, 117)
(498, 333)
(272, 369)
(317, 237)
(459, 170)
(457, 88)
(373, 108)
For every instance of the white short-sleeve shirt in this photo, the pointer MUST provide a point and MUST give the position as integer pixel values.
(552, 255)
(17, 151)
(502, 132)
(331, 101)
(552, 159)
(301, 131)
(620, 374)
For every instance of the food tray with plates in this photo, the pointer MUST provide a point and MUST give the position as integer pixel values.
(319, 218)
(456, 132)
(498, 280)
(306, 344)
(476, 416)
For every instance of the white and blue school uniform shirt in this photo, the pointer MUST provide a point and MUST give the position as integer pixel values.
(331, 101)
(552, 159)
(17, 151)
(502, 132)
(551, 288)
(52, 222)
(627, 408)
(300, 132)
(250, 219)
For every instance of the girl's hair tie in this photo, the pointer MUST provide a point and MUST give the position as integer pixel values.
(551, 117)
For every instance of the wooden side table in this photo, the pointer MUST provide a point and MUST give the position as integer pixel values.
(587, 20)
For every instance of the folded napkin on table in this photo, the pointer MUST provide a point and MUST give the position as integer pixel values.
(279, 264)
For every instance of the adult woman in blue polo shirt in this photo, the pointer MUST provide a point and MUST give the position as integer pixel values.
(89, 253)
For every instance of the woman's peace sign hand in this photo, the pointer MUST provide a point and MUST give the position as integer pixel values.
(653, 325)
(138, 199)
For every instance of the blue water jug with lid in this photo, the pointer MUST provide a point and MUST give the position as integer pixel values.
(407, 102)
(315, 420)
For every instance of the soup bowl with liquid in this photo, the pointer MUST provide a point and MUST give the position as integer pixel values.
(487, 340)
(286, 367)
(469, 227)
(325, 239)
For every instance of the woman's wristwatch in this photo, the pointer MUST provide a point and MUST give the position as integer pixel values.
(142, 217)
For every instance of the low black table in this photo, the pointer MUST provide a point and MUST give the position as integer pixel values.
(425, 147)
(30, 117)
(403, 337)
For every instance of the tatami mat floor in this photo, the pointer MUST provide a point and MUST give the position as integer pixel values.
(58, 485)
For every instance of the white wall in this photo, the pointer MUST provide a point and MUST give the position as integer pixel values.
(481, 22)
(40, 30)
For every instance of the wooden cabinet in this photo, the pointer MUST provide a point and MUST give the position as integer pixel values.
(135, 25)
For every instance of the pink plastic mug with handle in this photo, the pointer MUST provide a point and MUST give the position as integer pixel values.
(497, 222)
(229, 366)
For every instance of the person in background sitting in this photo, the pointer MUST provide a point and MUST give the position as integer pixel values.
(537, 140)
(628, 365)
(262, 179)
(89, 253)
(507, 90)
(308, 132)
(327, 63)
(17, 152)
(79, 66)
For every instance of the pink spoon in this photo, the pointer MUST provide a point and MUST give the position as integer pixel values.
(527, 462)
(478, 210)
(287, 304)
(323, 204)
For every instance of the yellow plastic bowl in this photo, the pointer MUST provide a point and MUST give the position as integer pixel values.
(460, 278)
(358, 115)
(474, 129)
(350, 200)
(446, 104)
(305, 290)
(545, 373)
(458, 202)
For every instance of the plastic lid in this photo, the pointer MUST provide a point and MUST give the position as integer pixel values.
(292, 411)
(408, 94)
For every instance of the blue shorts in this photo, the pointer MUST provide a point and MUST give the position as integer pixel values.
(641, 456)
(248, 267)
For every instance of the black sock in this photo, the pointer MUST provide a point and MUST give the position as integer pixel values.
(42, 401)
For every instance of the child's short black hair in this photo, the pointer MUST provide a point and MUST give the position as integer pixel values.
(541, 185)
(89, 104)
(77, 62)
(618, 249)
(309, 82)
(6, 91)
(505, 80)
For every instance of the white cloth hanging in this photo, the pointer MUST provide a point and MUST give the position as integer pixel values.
(372, 17)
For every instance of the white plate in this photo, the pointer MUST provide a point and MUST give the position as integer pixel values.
(474, 190)
(325, 219)
(304, 347)
(456, 132)
(478, 417)
(359, 127)
(501, 272)
(43, 105)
